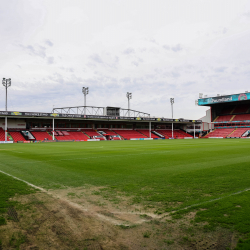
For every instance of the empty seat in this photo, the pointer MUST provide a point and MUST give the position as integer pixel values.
(220, 132)
(17, 136)
(41, 135)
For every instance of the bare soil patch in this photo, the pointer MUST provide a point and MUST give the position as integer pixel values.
(79, 218)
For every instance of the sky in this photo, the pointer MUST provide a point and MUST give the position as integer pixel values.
(156, 49)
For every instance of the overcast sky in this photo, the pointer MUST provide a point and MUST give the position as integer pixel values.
(156, 49)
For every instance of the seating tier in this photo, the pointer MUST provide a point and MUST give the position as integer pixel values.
(129, 134)
(146, 133)
(72, 135)
(224, 118)
(242, 117)
(17, 136)
(41, 135)
(177, 133)
(91, 133)
(239, 132)
(220, 132)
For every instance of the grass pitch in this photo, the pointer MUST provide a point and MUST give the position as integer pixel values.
(168, 175)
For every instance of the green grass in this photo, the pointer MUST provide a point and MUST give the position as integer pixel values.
(173, 174)
(9, 187)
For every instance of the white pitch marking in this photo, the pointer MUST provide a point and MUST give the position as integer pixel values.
(194, 205)
(28, 183)
(216, 199)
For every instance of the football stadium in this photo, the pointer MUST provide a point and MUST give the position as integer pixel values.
(91, 177)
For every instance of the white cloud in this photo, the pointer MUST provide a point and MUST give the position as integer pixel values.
(155, 49)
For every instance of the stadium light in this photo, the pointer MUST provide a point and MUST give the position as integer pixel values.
(172, 104)
(129, 96)
(6, 84)
(85, 91)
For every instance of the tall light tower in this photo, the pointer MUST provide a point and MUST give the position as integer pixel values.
(129, 96)
(6, 84)
(85, 91)
(172, 104)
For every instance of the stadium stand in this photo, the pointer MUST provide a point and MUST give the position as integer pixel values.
(128, 134)
(41, 135)
(220, 132)
(17, 136)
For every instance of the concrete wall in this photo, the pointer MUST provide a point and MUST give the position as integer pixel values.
(13, 123)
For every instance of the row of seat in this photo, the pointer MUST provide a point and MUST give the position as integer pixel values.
(227, 132)
(85, 134)
(73, 135)
(177, 133)
(130, 134)
(240, 117)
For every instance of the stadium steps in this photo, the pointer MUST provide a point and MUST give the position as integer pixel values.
(246, 133)
(216, 119)
(239, 132)
(232, 132)
(85, 134)
(101, 135)
(158, 134)
(232, 118)
(122, 138)
(142, 133)
(206, 136)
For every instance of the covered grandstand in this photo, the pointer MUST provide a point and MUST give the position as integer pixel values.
(60, 125)
(229, 115)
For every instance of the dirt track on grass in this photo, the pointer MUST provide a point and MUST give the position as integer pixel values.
(75, 218)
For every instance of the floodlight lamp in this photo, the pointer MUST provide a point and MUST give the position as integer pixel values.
(129, 95)
(85, 90)
(9, 82)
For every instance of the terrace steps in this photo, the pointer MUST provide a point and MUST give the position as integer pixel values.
(209, 133)
(232, 132)
(232, 118)
(216, 118)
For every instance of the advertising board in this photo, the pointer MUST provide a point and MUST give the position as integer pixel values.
(223, 99)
